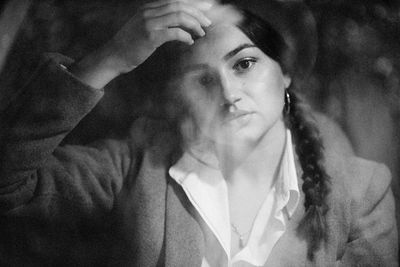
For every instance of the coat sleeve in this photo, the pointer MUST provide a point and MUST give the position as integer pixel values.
(373, 235)
(37, 177)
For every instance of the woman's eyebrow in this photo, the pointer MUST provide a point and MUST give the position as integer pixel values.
(195, 67)
(237, 50)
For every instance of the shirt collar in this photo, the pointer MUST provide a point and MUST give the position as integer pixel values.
(206, 188)
(287, 186)
(205, 162)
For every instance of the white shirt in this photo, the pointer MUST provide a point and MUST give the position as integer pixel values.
(207, 190)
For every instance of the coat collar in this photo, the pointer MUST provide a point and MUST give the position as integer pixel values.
(164, 228)
(184, 240)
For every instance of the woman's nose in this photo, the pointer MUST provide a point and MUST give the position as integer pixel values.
(229, 91)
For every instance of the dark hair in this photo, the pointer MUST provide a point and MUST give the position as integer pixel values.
(308, 145)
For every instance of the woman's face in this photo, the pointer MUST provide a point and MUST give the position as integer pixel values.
(234, 90)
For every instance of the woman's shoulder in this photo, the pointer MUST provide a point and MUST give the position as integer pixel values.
(362, 208)
(356, 179)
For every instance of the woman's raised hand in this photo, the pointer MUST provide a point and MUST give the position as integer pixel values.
(157, 23)
(154, 24)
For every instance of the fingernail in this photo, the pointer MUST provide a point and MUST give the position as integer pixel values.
(204, 5)
(207, 21)
(202, 32)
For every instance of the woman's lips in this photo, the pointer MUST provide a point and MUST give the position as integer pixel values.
(237, 114)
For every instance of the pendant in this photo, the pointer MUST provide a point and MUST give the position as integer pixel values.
(241, 242)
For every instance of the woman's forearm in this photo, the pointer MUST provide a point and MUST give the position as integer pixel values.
(98, 68)
(50, 106)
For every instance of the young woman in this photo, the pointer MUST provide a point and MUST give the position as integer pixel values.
(234, 175)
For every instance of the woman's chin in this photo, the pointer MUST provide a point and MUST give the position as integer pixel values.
(240, 138)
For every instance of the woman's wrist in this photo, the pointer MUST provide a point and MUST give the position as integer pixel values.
(98, 68)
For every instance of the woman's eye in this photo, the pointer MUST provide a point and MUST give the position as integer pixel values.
(244, 64)
(206, 80)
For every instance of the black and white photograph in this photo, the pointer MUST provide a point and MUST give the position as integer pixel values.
(204, 133)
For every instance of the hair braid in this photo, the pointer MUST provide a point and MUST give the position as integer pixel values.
(309, 149)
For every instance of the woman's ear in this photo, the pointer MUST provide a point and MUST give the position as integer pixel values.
(286, 80)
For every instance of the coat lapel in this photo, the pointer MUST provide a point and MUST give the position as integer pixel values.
(141, 212)
(161, 221)
(161, 226)
(184, 241)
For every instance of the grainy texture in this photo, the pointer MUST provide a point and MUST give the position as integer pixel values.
(113, 202)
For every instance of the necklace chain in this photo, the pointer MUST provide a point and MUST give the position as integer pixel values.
(240, 235)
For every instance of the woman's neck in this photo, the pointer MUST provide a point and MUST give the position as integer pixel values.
(254, 162)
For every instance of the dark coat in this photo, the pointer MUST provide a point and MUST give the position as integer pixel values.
(113, 203)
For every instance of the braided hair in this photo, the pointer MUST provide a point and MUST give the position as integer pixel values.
(308, 145)
(309, 149)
